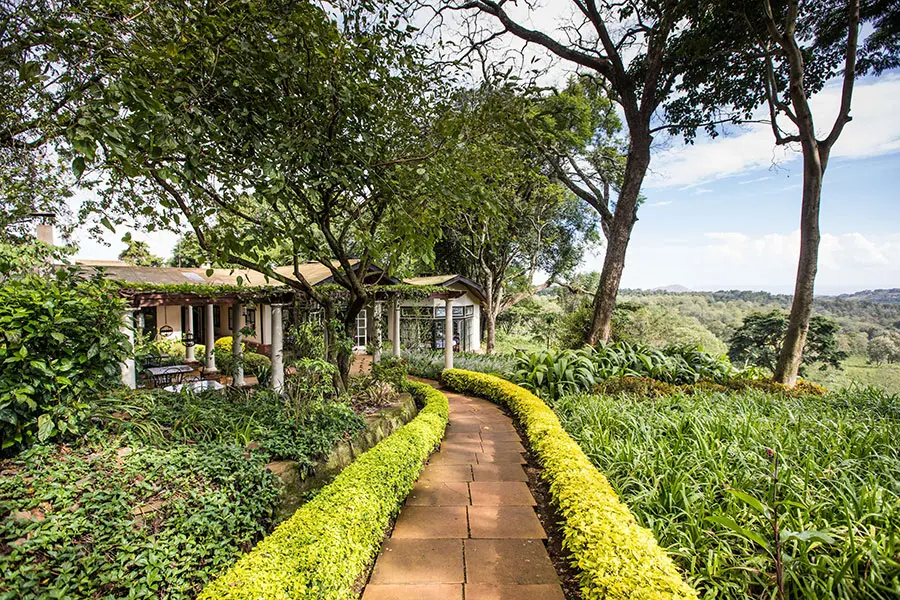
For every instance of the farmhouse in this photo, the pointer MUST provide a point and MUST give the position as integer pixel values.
(199, 305)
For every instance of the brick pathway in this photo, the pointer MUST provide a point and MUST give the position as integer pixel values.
(468, 529)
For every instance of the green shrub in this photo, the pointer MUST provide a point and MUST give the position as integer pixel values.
(616, 557)
(553, 374)
(254, 364)
(320, 552)
(391, 370)
(60, 343)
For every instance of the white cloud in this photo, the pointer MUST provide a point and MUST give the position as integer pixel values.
(731, 259)
(663, 203)
(874, 131)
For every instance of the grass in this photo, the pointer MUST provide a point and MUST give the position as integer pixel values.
(698, 470)
(857, 370)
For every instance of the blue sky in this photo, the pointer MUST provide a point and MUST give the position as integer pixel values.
(724, 213)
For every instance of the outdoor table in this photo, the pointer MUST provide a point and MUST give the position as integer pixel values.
(167, 370)
(196, 386)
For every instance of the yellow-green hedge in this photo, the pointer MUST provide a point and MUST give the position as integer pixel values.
(324, 547)
(618, 558)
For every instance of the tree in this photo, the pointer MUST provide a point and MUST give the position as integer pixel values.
(306, 127)
(884, 349)
(636, 49)
(779, 53)
(509, 219)
(188, 253)
(138, 253)
(758, 341)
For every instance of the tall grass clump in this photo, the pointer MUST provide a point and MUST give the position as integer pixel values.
(757, 495)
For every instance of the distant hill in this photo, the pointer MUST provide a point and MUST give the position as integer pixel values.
(890, 296)
(672, 289)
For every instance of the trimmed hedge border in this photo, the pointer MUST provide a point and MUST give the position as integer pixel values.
(618, 558)
(324, 547)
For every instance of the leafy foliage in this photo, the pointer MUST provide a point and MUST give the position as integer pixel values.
(758, 341)
(60, 345)
(697, 469)
(429, 364)
(324, 547)
(138, 253)
(112, 517)
(552, 374)
(616, 557)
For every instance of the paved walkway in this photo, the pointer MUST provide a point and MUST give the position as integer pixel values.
(468, 529)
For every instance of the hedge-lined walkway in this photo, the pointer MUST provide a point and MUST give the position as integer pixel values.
(468, 529)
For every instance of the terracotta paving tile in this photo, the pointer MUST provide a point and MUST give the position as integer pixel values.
(500, 493)
(504, 446)
(419, 561)
(497, 472)
(463, 437)
(464, 428)
(461, 447)
(428, 522)
(544, 591)
(438, 473)
(499, 436)
(448, 493)
(497, 562)
(504, 522)
(500, 457)
(452, 457)
(434, 591)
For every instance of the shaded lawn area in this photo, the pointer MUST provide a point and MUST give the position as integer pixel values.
(161, 494)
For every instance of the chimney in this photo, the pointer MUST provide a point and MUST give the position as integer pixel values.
(45, 233)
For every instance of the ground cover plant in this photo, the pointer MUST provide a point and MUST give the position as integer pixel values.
(430, 363)
(699, 470)
(159, 496)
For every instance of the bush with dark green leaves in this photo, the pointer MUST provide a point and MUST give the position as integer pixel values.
(60, 345)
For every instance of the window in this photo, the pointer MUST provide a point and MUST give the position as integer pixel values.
(458, 311)
(360, 339)
(250, 319)
(217, 316)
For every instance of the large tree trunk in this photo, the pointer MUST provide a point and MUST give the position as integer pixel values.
(788, 365)
(490, 332)
(623, 222)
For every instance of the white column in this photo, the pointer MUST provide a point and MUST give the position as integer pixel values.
(189, 332)
(129, 373)
(237, 341)
(277, 350)
(395, 335)
(139, 325)
(210, 340)
(448, 334)
(376, 322)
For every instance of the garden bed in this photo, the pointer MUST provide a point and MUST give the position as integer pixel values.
(159, 495)
(699, 470)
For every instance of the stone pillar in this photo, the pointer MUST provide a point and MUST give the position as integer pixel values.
(210, 340)
(129, 372)
(448, 334)
(376, 327)
(189, 332)
(277, 349)
(139, 321)
(395, 334)
(237, 341)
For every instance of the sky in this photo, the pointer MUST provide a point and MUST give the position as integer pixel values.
(724, 213)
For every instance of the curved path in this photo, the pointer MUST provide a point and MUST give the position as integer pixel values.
(468, 530)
